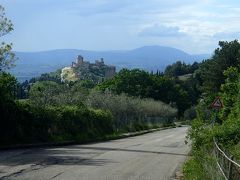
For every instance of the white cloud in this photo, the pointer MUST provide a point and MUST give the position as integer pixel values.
(161, 31)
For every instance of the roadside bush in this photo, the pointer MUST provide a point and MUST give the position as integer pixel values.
(202, 163)
(23, 123)
(49, 93)
(131, 112)
(190, 114)
(8, 123)
(228, 134)
(79, 123)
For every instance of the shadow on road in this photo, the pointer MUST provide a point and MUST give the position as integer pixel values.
(68, 155)
(132, 150)
(61, 156)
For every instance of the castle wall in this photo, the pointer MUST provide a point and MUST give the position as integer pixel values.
(110, 72)
(79, 60)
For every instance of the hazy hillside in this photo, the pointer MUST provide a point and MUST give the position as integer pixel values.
(154, 58)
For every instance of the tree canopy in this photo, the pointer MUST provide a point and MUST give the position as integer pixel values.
(211, 71)
(142, 84)
(6, 55)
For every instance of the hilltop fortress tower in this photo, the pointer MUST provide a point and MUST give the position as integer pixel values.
(80, 63)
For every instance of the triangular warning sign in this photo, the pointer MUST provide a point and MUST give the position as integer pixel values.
(217, 103)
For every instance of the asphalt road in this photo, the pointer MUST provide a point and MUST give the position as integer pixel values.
(154, 155)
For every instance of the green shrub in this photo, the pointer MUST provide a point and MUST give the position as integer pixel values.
(190, 114)
(131, 112)
(23, 123)
(80, 123)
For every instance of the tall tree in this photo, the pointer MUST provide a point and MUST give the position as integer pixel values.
(227, 55)
(6, 55)
(7, 82)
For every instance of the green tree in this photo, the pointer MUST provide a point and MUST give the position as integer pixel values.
(134, 82)
(142, 84)
(43, 93)
(180, 68)
(227, 55)
(8, 85)
(230, 90)
(6, 55)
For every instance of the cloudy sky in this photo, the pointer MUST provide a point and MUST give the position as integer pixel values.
(194, 26)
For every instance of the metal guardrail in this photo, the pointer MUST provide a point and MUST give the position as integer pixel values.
(228, 167)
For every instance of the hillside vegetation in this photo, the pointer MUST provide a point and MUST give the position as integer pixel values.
(219, 76)
(59, 112)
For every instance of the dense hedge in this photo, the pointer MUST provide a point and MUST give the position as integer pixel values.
(22, 123)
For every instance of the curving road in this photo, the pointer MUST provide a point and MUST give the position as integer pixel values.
(154, 155)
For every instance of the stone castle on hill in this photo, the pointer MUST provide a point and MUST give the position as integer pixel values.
(84, 70)
(109, 71)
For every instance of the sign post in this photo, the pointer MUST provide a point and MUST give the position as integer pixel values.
(216, 105)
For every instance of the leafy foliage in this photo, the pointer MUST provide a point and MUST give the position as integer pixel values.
(180, 68)
(219, 76)
(6, 56)
(211, 71)
(44, 93)
(129, 111)
(22, 123)
(139, 83)
(7, 86)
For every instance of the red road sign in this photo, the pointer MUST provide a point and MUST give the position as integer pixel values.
(217, 103)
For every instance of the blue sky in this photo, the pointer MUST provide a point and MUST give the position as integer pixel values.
(194, 26)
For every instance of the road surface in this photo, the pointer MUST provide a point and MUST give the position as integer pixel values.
(154, 155)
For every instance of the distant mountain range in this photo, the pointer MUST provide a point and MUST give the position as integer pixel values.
(150, 58)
